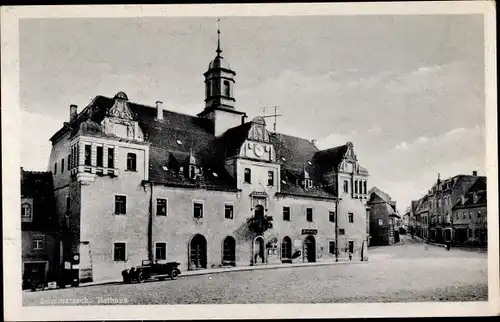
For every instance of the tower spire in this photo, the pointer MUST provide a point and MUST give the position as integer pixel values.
(218, 51)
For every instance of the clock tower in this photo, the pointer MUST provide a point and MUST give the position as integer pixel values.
(219, 94)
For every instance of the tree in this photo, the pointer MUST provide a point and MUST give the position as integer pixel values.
(259, 224)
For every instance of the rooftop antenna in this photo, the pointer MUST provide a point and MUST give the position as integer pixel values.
(272, 115)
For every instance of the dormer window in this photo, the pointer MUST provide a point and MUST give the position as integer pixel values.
(346, 186)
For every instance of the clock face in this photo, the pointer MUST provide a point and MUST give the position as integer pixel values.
(258, 150)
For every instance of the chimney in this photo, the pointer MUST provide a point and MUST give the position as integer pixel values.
(314, 141)
(474, 173)
(72, 112)
(159, 109)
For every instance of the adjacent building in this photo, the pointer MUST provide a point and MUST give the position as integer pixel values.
(384, 219)
(470, 216)
(135, 182)
(439, 215)
(39, 227)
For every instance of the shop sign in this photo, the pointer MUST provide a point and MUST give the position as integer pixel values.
(309, 231)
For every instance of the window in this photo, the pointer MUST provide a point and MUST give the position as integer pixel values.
(69, 161)
(351, 217)
(161, 251)
(464, 216)
(331, 216)
(364, 187)
(341, 231)
(88, 153)
(119, 252)
(270, 178)
(38, 242)
(309, 214)
(131, 162)
(331, 247)
(380, 222)
(248, 175)
(111, 158)
(456, 216)
(26, 211)
(198, 210)
(120, 205)
(161, 207)
(346, 186)
(286, 213)
(99, 155)
(228, 211)
(207, 89)
(227, 88)
(62, 165)
(55, 168)
(356, 186)
(470, 215)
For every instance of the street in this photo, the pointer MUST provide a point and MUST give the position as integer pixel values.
(409, 271)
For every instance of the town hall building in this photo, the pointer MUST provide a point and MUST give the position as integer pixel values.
(135, 182)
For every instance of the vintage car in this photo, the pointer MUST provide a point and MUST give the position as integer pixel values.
(150, 269)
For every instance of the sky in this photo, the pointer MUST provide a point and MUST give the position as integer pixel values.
(407, 90)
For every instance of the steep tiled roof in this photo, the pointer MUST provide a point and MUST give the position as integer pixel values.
(383, 195)
(292, 153)
(479, 190)
(329, 159)
(177, 137)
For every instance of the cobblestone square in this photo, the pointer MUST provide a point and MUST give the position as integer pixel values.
(406, 272)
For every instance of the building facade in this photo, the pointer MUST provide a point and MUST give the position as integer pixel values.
(39, 228)
(438, 216)
(135, 182)
(470, 216)
(384, 219)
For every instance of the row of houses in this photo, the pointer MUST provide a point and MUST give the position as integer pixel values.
(453, 211)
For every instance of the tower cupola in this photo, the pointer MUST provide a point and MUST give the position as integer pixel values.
(219, 94)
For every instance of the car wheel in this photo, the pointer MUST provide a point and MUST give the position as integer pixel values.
(174, 274)
(141, 278)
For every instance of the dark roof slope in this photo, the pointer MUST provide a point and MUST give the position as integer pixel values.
(39, 186)
(328, 160)
(478, 189)
(292, 153)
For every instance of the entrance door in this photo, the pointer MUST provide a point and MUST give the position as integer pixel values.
(259, 250)
(33, 272)
(351, 247)
(229, 251)
(310, 249)
(286, 250)
(198, 252)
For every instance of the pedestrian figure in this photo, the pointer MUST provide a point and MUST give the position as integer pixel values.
(448, 246)
(350, 256)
